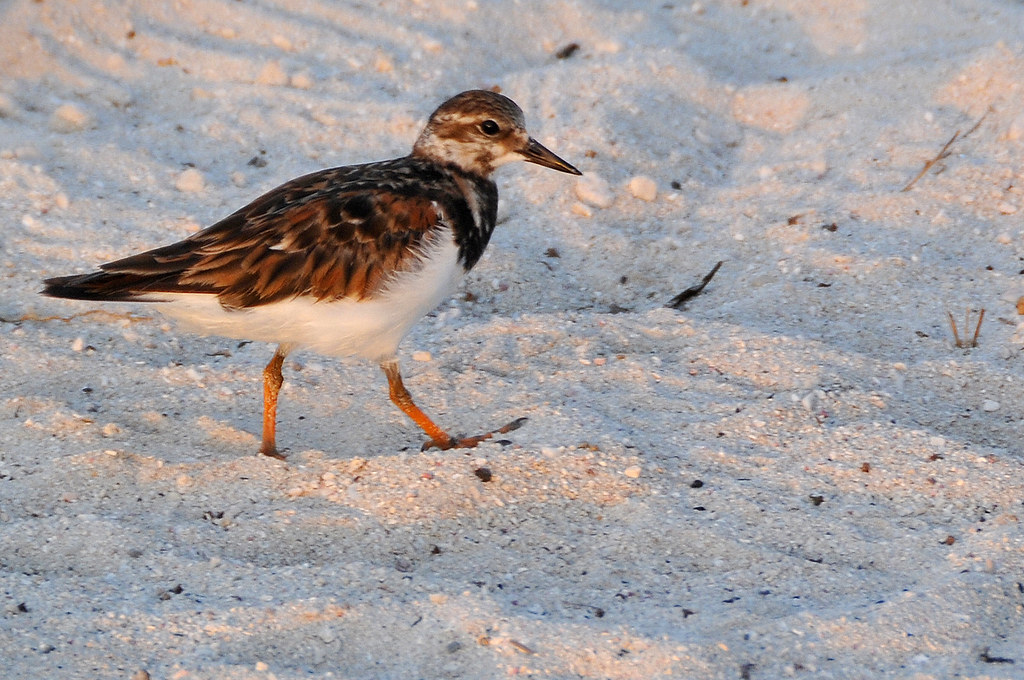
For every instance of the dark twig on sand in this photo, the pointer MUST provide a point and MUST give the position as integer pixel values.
(944, 152)
(679, 301)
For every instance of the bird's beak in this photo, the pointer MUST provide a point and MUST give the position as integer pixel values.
(535, 152)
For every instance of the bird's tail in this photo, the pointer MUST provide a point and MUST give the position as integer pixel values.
(101, 286)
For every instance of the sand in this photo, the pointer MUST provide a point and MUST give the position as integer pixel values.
(798, 474)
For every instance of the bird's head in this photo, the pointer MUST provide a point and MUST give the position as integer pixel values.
(478, 131)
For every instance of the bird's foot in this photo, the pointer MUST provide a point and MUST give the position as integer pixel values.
(272, 452)
(471, 442)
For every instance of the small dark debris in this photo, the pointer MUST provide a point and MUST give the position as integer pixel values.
(948, 540)
(831, 226)
(696, 484)
(824, 285)
(817, 499)
(552, 252)
(469, 297)
(921, 334)
(795, 219)
(687, 613)
(598, 612)
(782, 79)
(730, 600)
(567, 51)
(987, 658)
(936, 456)
(483, 474)
(170, 592)
(623, 280)
(675, 184)
(258, 161)
(22, 608)
(134, 553)
(403, 565)
(865, 467)
(618, 309)
(130, 34)
(622, 652)
(453, 646)
(700, 508)
(520, 647)
(679, 301)
(436, 550)
(745, 670)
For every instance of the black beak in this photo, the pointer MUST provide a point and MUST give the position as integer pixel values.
(535, 152)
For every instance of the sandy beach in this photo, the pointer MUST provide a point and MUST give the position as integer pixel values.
(797, 474)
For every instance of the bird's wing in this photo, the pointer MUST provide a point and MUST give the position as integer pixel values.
(333, 234)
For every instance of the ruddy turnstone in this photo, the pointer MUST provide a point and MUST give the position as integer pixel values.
(342, 261)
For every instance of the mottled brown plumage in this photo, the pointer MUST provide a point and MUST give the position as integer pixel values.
(332, 234)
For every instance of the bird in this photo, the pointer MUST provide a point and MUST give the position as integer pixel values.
(342, 261)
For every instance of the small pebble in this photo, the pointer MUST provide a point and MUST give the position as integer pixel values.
(643, 188)
(438, 598)
(190, 181)
(272, 73)
(633, 471)
(301, 81)
(421, 355)
(594, 191)
(989, 405)
(581, 210)
(69, 118)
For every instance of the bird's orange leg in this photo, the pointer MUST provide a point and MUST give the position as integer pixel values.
(438, 437)
(272, 381)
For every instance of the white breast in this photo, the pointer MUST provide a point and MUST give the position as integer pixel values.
(369, 328)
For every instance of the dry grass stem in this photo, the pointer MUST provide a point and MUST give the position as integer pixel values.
(964, 343)
(944, 152)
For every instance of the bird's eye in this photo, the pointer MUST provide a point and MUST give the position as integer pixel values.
(489, 127)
